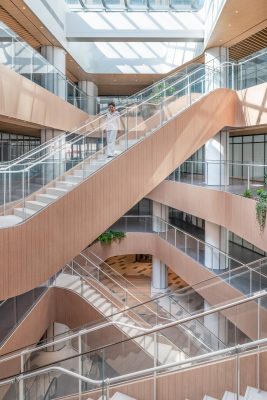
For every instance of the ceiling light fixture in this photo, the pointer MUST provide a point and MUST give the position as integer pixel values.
(41, 27)
(236, 11)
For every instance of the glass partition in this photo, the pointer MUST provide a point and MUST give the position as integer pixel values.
(23, 59)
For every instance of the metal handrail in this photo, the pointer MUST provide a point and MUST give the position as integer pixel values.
(188, 362)
(183, 232)
(122, 113)
(54, 140)
(155, 329)
(170, 295)
(188, 331)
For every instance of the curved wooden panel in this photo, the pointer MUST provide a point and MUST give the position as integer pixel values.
(236, 213)
(23, 101)
(36, 249)
(215, 292)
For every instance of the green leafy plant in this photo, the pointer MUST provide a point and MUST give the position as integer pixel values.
(261, 208)
(109, 236)
(265, 179)
(248, 193)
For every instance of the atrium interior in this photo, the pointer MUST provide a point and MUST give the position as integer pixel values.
(133, 199)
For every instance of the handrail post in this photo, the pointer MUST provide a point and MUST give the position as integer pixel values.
(21, 381)
(237, 373)
(127, 130)
(80, 366)
(258, 352)
(248, 179)
(155, 364)
(5, 193)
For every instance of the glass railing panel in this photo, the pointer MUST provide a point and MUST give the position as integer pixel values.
(9, 391)
(20, 57)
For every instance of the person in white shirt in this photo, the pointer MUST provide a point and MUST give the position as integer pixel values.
(112, 124)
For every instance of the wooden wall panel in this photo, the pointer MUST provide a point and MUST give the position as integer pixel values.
(55, 235)
(47, 241)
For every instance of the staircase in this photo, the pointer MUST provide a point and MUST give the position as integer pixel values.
(251, 394)
(166, 352)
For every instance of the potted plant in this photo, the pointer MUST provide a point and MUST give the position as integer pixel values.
(109, 236)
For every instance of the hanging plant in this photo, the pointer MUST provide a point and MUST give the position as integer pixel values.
(261, 208)
(109, 236)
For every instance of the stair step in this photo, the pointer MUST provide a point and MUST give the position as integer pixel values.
(9, 220)
(209, 398)
(65, 185)
(255, 394)
(233, 396)
(24, 212)
(56, 191)
(79, 173)
(121, 396)
(46, 198)
(35, 205)
(73, 178)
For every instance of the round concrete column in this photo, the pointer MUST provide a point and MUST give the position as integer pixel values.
(217, 324)
(215, 58)
(217, 237)
(216, 157)
(56, 83)
(162, 212)
(159, 275)
(91, 90)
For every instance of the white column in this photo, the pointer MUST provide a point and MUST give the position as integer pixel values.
(217, 237)
(92, 92)
(159, 269)
(53, 330)
(159, 275)
(216, 324)
(161, 211)
(56, 83)
(215, 57)
(216, 157)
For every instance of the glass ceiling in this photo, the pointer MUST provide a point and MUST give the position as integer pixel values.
(135, 5)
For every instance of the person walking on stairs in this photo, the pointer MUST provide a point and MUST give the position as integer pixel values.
(112, 124)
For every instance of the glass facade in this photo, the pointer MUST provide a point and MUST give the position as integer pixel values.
(248, 149)
(135, 5)
(13, 146)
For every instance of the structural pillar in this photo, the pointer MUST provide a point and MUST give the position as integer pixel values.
(159, 275)
(159, 269)
(161, 212)
(218, 238)
(216, 157)
(90, 104)
(56, 82)
(217, 324)
(217, 72)
(53, 330)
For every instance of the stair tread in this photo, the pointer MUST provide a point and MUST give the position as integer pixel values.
(48, 196)
(25, 210)
(38, 203)
(255, 394)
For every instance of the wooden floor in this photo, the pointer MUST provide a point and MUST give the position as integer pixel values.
(138, 270)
